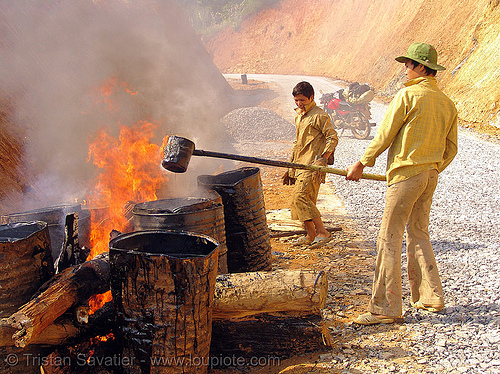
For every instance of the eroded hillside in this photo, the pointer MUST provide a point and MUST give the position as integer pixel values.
(357, 40)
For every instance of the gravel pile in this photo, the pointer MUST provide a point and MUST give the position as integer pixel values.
(257, 124)
(464, 229)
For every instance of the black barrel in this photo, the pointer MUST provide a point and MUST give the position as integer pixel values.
(163, 284)
(201, 214)
(25, 264)
(247, 235)
(55, 217)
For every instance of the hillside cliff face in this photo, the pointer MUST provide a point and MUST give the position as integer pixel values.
(357, 40)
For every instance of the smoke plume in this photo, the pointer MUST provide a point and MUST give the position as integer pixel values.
(57, 55)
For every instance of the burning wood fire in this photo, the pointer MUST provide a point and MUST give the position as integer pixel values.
(129, 171)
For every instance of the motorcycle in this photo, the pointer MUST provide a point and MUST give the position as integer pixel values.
(347, 116)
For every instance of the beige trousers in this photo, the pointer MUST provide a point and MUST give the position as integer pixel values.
(407, 204)
(304, 197)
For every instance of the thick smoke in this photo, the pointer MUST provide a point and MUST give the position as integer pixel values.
(56, 54)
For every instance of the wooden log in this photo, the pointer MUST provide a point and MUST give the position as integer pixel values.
(267, 337)
(245, 294)
(236, 295)
(56, 333)
(69, 288)
(66, 328)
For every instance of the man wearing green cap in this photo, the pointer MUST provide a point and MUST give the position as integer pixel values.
(420, 130)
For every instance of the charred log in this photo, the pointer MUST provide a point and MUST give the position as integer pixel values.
(67, 289)
(71, 252)
(67, 329)
(268, 336)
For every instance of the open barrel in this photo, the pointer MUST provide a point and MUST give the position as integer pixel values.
(163, 284)
(202, 213)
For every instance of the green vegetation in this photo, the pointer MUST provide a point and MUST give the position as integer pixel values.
(208, 16)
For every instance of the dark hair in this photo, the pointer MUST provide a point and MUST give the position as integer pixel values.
(428, 71)
(303, 88)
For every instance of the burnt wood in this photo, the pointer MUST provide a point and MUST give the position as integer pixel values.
(71, 287)
(267, 337)
(71, 252)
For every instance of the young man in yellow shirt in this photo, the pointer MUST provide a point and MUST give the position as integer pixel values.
(315, 141)
(420, 130)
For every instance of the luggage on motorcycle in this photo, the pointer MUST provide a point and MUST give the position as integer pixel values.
(344, 106)
(366, 97)
(362, 88)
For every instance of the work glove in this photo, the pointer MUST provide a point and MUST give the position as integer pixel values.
(287, 179)
(319, 175)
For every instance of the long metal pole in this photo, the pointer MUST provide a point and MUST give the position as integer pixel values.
(283, 164)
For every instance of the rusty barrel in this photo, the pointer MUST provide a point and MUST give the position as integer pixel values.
(25, 264)
(202, 213)
(247, 235)
(163, 284)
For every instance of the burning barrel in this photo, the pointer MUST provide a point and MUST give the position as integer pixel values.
(201, 214)
(247, 235)
(163, 284)
(25, 264)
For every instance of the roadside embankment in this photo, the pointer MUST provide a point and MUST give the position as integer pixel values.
(358, 40)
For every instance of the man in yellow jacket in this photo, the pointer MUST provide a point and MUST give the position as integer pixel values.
(315, 142)
(420, 130)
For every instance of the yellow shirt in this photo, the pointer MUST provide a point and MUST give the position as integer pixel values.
(315, 135)
(420, 126)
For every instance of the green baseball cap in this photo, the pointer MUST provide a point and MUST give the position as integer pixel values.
(422, 53)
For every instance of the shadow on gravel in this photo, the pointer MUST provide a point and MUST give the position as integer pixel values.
(456, 315)
(476, 313)
(443, 246)
(439, 246)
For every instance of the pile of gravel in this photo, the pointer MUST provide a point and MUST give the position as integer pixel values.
(257, 124)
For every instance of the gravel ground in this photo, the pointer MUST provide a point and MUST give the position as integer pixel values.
(257, 124)
(464, 229)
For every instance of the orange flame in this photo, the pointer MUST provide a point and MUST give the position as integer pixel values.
(129, 172)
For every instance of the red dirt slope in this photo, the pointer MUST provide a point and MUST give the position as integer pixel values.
(357, 40)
